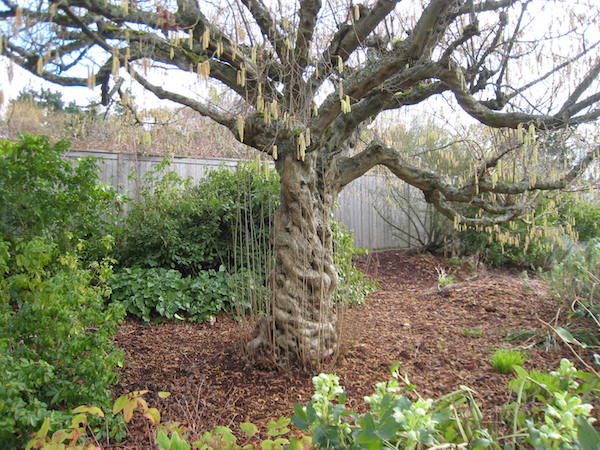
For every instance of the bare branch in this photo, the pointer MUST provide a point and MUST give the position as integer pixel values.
(309, 9)
(205, 110)
(430, 28)
(347, 39)
(488, 5)
(580, 89)
(441, 193)
(93, 36)
(453, 76)
(267, 26)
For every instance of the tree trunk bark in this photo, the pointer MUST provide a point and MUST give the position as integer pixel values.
(302, 327)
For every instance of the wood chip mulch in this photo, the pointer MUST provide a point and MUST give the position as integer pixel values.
(442, 337)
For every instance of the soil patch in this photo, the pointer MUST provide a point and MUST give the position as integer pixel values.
(442, 337)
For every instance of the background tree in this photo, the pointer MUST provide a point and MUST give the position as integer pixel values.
(310, 74)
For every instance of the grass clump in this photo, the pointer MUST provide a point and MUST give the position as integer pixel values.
(472, 332)
(504, 360)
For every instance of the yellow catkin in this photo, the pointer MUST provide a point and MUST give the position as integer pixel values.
(205, 39)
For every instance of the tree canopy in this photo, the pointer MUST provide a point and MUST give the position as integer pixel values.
(310, 73)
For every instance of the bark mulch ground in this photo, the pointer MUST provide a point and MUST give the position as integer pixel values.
(442, 337)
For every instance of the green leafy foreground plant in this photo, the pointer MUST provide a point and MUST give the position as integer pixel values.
(55, 336)
(393, 421)
(454, 421)
(505, 360)
(549, 413)
(551, 410)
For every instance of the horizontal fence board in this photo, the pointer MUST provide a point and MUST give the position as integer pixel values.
(357, 204)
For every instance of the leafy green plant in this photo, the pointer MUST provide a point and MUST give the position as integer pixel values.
(41, 192)
(191, 228)
(505, 360)
(352, 286)
(164, 292)
(393, 421)
(550, 409)
(55, 336)
(576, 280)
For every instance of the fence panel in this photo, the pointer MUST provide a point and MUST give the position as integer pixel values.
(358, 208)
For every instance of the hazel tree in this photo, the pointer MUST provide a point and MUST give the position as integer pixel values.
(310, 74)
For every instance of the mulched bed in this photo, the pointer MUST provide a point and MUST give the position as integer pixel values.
(409, 319)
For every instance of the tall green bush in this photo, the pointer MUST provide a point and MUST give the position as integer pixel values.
(192, 228)
(576, 280)
(55, 336)
(44, 193)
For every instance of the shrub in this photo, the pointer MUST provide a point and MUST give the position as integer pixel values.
(352, 286)
(193, 228)
(504, 360)
(42, 192)
(576, 279)
(55, 336)
(164, 292)
(559, 223)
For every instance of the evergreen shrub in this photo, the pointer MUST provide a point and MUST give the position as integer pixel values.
(191, 228)
(42, 192)
(55, 336)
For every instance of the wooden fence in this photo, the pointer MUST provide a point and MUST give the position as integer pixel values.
(358, 202)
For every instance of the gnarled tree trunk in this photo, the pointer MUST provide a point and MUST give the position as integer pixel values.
(302, 326)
